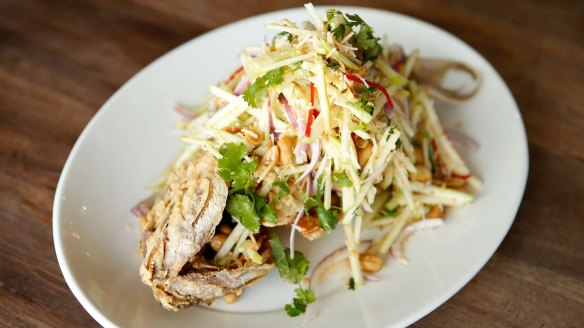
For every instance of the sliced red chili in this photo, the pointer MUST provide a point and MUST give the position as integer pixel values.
(234, 74)
(312, 114)
(373, 84)
(464, 177)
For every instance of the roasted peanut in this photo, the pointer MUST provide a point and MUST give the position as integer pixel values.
(435, 212)
(230, 299)
(286, 145)
(423, 174)
(363, 154)
(232, 129)
(225, 229)
(217, 241)
(370, 262)
(419, 155)
(454, 182)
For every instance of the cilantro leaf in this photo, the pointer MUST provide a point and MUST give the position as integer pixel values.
(339, 31)
(310, 203)
(299, 303)
(282, 34)
(242, 207)
(292, 270)
(330, 14)
(283, 189)
(298, 266)
(365, 38)
(264, 210)
(355, 20)
(258, 91)
(279, 256)
(368, 42)
(333, 64)
(351, 284)
(232, 167)
(342, 179)
(328, 218)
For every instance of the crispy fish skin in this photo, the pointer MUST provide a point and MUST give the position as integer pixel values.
(181, 222)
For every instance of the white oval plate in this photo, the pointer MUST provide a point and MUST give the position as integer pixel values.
(129, 142)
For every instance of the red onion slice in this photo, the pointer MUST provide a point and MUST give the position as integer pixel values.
(463, 139)
(401, 59)
(293, 230)
(184, 111)
(339, 255)
(313, 161)
(396, 248)
(241, 86)
(288, 110)
(143, 207)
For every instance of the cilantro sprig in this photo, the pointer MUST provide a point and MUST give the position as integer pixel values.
(340, 25)
(365, 38)
(292, 270)
(342, 179)
(328, 219)
(233, 167)
(299, 303)
(258, 91)
(242, 202)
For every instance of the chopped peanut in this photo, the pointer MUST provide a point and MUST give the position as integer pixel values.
(217, 241)
(454, 182)
(435, 212)
(370, 262)
(230, 299)
(422, 174)
(225, 229)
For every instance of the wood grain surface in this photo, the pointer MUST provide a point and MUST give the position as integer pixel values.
(61, 60)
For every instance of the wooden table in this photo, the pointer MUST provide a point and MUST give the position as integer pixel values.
(60, 61)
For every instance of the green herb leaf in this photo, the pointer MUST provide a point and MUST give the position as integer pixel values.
(351, 284)
(258, 91)
(299, 303)
(330, 14)
(355, 20)
(292, 270)
(242, 207)
(339, 31)
(265, 211)
(233, 168)
(333, 64)
(365, 38)
(298, 266)
(282, 34)
(386, 212)
(283, 189)
(342, 179)
(310, 203)
(328, 218)
(279, 256)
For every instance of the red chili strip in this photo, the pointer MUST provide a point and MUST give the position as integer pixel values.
(373, 84)
(464, 177)
(234, 74)
(312, 114)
